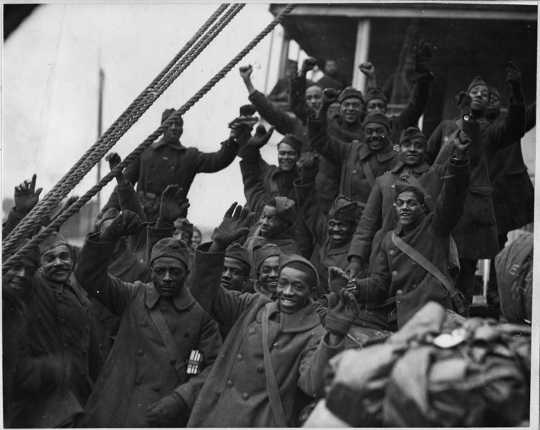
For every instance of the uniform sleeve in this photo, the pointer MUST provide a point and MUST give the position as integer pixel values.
(336, 151)
(313, 363)
(14, 217)
(132, 171)
(223, 305)
(129, 200)
(92, 274)
(511, 129)
(434, 144)
(313, 216)
(209, 346)
(252, 177)
(374, 289)
(370, 223)
(417, 103)
(451, 201)
(298, 92)
(283, 123)
(210, 162)
(530, 117)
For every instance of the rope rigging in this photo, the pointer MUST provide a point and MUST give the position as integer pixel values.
(134, 111)
(134, 155)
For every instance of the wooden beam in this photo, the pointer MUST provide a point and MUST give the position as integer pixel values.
(361, 53)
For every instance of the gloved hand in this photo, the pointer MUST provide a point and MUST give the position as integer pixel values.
(26, 196)
(126, 223)
(308, 64)
(342, 310)
(173, 204)
(308, 166)
(513, 79)
(235, 224)
(356, 268)
(255, 142)
(367, 68)
(170, 411)
(422, 56)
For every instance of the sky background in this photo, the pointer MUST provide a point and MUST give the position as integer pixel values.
(51, 80)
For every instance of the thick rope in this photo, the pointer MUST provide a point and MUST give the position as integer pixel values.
(115, 132)
(133, 156)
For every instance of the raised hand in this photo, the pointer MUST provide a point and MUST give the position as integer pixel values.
(246, 71)
(367, 68)
(241, 127)
(126, 223)
(308, 64)
(355, 268)
(308, 166)
(254, 143)
(173, 203)
(342, 310)
(234, 226)
(26, 196)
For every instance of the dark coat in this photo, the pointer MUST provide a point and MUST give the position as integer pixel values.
(60, 336)
(235, 393)
(139, 370)
(357, 178)
(379, 215)
(513, 191)
(394, 273)
(165, 164)
(286, 123)
(476, 233)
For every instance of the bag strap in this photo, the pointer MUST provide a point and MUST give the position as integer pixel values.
(368, 171)
(271, 382)
(417, 257)
(166, 337)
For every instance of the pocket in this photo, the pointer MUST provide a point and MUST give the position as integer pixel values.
(479, 206)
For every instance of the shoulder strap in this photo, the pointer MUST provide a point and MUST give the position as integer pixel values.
(166, 337)
(368, 171)
(271, 383)
(416, 256)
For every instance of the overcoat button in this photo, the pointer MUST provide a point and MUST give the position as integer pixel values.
(140, 352)
(394, 273)
(245, 396)
(260, 368)
(229, 383)
(239, 356)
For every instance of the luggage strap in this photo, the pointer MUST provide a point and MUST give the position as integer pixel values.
(417, 257)
(271, 382)
(166, 337)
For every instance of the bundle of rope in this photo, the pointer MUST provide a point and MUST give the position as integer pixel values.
(135, 110)
(133, 156)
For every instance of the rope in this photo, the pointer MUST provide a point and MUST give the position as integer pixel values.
(118, 129)
(76, 206)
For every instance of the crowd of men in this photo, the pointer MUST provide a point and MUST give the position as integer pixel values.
(362, 222)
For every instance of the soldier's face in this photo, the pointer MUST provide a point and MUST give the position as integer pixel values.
(268, 275)
(235, 274)
(196, 239)
(18, 277)
(287, 157)
(314, 96)
(479, 95)
(376, 136)
(56, 264)
(409, 209)
(339, 231)
(376, 106)
(168, 275)
(174, 131)
(412, 151)
(351, 109)
(270, 224)
(293, 289)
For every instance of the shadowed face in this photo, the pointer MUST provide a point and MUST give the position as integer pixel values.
(287, 157)
(314, 97)
(174, 131)
(409, 209)
(168, 275)
(376, 136)
(351, 109)
(479, 95)
(57, 264)
(412, 151)
(293, 289)
(268, 275)
(235, 274)
(340, 231)
(270, 224)
(376, 106)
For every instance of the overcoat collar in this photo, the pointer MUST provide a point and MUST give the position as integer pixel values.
(183, 300)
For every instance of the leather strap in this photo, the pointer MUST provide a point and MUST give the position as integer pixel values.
(417, 257)
(271, 382)
(368, 171)
(167, 338)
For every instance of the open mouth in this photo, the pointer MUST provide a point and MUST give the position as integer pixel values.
(287, 302)
(225, 284)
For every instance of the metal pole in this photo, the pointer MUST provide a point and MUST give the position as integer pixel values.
(100, 127)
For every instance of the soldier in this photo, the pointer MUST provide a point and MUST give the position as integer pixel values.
(148, 379)
(168, 162)
(274, 348)
(361, 162)
(412, 264)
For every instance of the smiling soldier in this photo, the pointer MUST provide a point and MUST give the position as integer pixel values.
(275, 348)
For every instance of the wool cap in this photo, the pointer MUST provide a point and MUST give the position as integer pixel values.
(292, 140)
(167, 113)
(262, 253)
(477, 80)
(344, 209)
(300, 263)
(411, 133)
(170, 247)
(238, 252)
(375, 93)
(350, 92)
(377, 118)
(285, 208)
